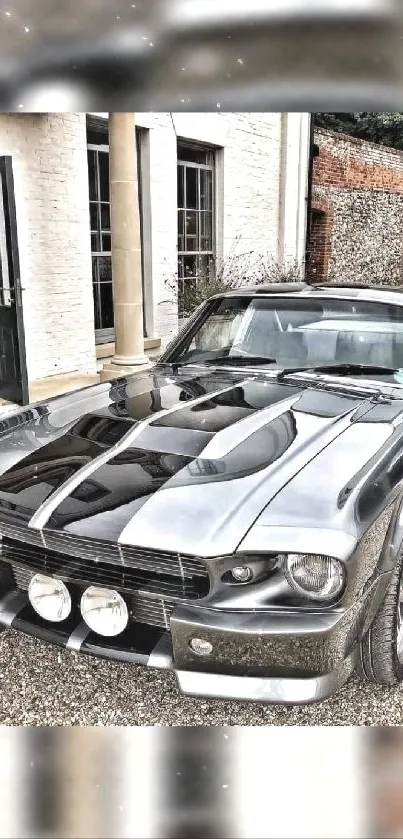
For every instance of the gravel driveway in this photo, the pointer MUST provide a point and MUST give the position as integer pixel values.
(44, 685)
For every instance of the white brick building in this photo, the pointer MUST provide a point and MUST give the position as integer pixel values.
(246, 186)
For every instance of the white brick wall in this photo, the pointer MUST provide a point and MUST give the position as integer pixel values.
(251, 183)
(50, 170)
(51, 191)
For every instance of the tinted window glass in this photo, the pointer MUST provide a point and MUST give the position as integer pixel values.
(299, 332)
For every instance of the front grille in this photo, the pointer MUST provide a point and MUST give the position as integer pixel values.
(92, 572)
(143, 607)
(97, 550)
(152, 583)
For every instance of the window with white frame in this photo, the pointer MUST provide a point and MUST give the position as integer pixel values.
(196, 214)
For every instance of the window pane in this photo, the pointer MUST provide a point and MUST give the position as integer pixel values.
(206, 189)
(191, 243)
(95, 288)
(191, 224)
(180, 267)
(98, 136)
(206, 266)
(103, 296)
(95, 247)
(105, 217)
(106, 305)
(97, 311)
(181, 189)
(106, 241)
(189, 266)
(105, 269)
(94, 269)
(94, 216)
(92, 175)
(191, 188)
(103, 159)
(206, 225)
(194, 154)
(181, 223)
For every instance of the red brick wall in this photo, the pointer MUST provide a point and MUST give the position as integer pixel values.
(358, 189)
(348, 163)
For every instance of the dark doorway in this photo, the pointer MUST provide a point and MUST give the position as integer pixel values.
(319, 247)
(13, 372)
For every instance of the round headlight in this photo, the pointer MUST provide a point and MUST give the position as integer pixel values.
(315, 576)
(49, 597)
(104, 611)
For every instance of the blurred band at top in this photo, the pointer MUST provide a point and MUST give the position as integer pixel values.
(201, 55)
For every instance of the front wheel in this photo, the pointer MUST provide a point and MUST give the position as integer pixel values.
(382, 647)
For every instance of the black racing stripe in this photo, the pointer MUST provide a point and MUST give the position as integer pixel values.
(35, 478)
(31, 482)
(180, 441)
(223, 410)
(31, 623)
(383, 412)
(115, 492)
(135, 643)
(320, 403)
(138, 402)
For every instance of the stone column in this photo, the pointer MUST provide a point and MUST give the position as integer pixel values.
(126, 248)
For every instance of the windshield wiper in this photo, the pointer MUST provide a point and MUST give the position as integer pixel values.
(240, 360)
(340, 370)
(233, 360)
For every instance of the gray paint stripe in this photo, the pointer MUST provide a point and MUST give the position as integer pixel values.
(41, 517)
(78, 637)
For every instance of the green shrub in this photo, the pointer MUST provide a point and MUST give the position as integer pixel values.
(238, 269)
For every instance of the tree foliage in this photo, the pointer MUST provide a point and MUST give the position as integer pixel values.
(383, 128)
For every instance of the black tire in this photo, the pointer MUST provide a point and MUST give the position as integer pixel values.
(379, 662)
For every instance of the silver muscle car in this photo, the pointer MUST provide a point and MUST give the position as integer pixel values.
(235, 513)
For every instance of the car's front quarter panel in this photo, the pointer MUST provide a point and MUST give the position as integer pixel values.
(346, 503)
(262, 635)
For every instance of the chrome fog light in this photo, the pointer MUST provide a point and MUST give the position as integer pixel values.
(315, 576)
(104, 611)
(200, 646)
(241, 574)
(49, 597)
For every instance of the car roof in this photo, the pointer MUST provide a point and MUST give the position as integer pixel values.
(361, 291)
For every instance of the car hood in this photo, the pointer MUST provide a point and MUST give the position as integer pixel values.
(183, 463)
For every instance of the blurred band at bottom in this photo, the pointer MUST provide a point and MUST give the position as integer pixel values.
(199, 783)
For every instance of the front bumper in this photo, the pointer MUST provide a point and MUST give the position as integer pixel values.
(284, 657)
(281, 691)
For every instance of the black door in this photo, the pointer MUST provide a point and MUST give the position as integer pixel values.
(13, 373)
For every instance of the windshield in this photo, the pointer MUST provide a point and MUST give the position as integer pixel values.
(287, 332)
